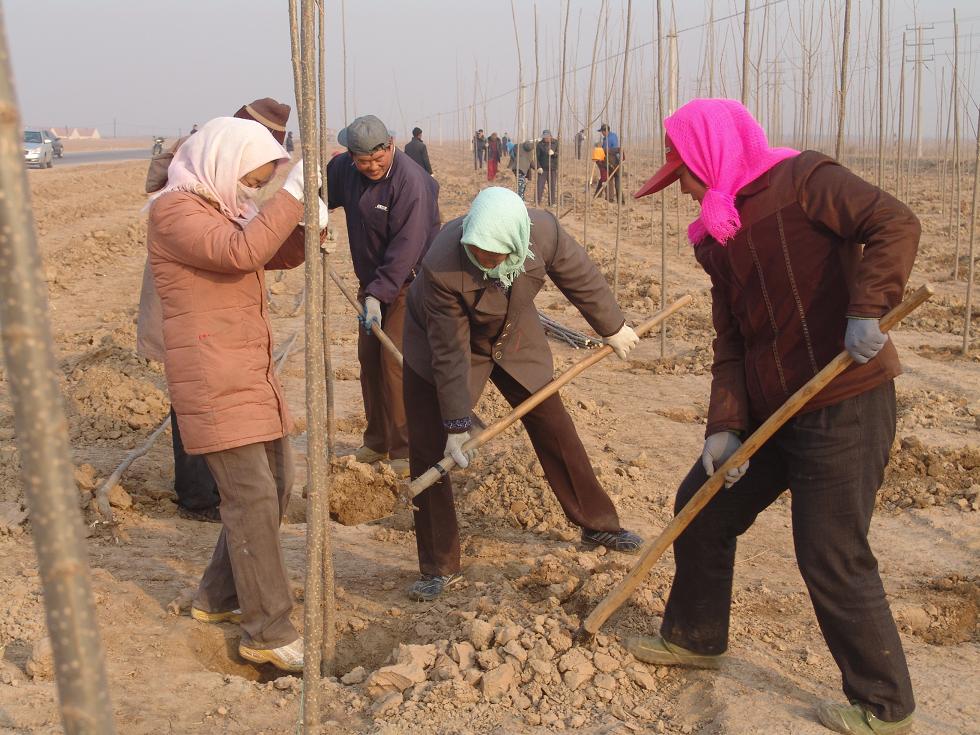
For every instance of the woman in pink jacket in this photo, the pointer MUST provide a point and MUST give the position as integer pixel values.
(209, 246)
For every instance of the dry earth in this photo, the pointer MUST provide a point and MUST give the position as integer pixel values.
(494, 655)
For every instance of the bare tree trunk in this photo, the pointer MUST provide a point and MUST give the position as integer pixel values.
(343, 42)
(535, 130)
(957, 199)
(519, 133)
(882, 53)
(973, 235)
(329, 647)
(588, 128)
(562, 152)
(745, 61)
(622, 146)
(841, 117)
(901, 123)
(660, 135)
(711, 48)
(40, 424)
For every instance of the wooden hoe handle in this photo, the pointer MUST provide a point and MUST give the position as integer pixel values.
(653, 549)
(376, 329)
(433, 474)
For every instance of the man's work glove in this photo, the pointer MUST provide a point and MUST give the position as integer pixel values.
(293, 184)
(623, 341)
(719, 447)
(454, 449)
(540, 170)
(863, 338)
(372, 313)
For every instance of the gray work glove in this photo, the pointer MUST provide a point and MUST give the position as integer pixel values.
(372, 313)
(454, 449)
(623, 341)
(863, 338)
(719, 447)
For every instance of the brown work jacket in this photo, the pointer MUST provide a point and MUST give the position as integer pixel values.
(460, 324)
(209, 272)
(817, 244)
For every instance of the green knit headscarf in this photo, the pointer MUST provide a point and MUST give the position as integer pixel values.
(498, 223)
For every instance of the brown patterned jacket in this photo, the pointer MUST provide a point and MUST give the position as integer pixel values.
(783, 287)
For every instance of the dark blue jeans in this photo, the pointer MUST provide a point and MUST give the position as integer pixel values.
(193, 483)
(832, 461)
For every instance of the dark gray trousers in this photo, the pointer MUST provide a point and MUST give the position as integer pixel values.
(832, 460)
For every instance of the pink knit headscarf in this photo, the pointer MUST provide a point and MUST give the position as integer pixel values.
(723, 145)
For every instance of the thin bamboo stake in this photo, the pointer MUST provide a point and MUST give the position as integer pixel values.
(622, 156)
(654, 549)
(973, 233)
(842, 101)
(329, 646)
(40, 425)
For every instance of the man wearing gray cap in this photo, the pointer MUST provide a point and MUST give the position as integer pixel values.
(392, 211)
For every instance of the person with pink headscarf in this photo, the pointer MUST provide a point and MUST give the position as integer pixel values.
(209, 246)
(804, 258)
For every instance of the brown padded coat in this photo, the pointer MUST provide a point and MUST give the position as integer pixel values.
(460, 324)
(209, 272)
(817, 244)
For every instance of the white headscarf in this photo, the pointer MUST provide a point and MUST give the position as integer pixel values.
(210, 163)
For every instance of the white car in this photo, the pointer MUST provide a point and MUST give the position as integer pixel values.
(37, 150)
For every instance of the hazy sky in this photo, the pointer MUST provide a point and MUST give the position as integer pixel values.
(156, 66)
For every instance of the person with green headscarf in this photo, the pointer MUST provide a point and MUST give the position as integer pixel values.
(471, 318)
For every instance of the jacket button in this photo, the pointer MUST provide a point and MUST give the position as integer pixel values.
(497, 355)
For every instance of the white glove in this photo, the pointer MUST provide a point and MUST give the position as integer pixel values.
(551, 152)
(372, 313)
(293, 184)
(454, 449)
(540, 170)
(863, 338)
(719, 447)
(623, 341)
(324, 214)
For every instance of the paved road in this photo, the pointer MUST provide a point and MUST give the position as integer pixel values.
(111, 156)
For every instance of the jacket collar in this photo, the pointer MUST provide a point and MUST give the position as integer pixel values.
(755, 186)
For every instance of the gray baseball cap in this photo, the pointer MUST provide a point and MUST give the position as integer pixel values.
(364, 135)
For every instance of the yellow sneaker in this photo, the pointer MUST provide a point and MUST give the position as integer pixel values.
(203, 616)
(285, 658)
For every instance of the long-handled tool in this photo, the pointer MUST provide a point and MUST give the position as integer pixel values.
(376, 329)
(442, 468)
(652, 550)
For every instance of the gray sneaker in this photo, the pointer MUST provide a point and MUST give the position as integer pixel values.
(430, 586)
(622, 540)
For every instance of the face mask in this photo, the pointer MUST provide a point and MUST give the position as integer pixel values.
(247, 193)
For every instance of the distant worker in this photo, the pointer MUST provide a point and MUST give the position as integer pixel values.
(471, 318)
(479, 149)
(521, 162)
(579, 140)
(193, 129)
(599, 157)
(547, 159)
(495, 151)
(392, 210)
(209, 246)
(614, 161)
(290, 146)
(196, 490)
(417, 150)
(505, 139)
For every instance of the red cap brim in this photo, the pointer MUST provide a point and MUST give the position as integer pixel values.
(666, 176)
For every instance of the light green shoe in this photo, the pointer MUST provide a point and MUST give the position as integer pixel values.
(653, 649)
(856, 719)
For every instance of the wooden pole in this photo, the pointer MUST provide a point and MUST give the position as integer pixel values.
(329, 645)
(655, 548)
(842, 99)
(42, 440)
(973, 234)
(376, 329)
(433, 474)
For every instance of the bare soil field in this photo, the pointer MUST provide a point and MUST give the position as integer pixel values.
(495, 654)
